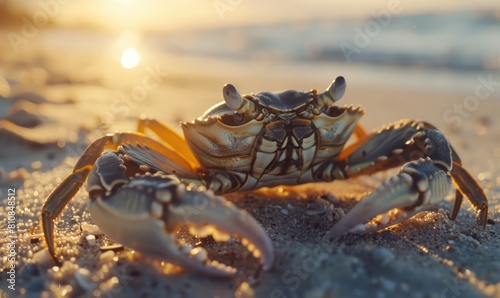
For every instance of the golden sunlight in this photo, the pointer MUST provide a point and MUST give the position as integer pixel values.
(129, 58)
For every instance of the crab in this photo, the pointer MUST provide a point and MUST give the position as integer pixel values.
(144, 190)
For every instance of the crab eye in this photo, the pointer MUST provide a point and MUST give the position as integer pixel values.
(232, 97)
(241, 105)
(338, 87)
(332, 94)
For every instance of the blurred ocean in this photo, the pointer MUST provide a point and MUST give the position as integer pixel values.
(458, 41)
(435, 48)
(451, 48)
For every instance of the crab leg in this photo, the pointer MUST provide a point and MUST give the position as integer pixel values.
(66, 190)
(145, 213)
(56, 202)
(170, 138)
(360, 131)
(466, 185)
(428, 162)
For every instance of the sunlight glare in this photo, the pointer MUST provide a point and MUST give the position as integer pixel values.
(130, 58)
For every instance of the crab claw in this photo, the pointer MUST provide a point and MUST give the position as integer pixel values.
(146, 213)
(418, 186)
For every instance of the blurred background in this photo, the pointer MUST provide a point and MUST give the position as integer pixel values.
(169, 59)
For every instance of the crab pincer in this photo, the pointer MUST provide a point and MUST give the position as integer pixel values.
(419, 186)
(146, 213)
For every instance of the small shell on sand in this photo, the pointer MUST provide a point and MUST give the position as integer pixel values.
(106, 257)
(91, 229)
(90, 239)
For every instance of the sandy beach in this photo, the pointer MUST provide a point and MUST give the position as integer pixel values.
(53, 104)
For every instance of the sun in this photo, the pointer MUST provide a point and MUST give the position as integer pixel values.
(130, 58)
